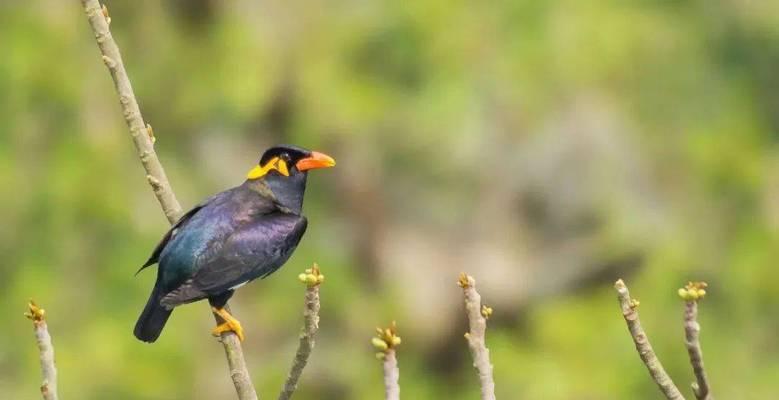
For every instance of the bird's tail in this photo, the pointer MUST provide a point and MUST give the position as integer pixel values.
(153, 318)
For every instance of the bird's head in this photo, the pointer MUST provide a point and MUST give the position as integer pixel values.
(284, 169)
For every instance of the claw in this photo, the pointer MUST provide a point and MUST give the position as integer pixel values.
(230, 325)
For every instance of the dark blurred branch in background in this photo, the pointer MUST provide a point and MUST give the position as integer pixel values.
(477, 320)
(691, 293)
(48, 369)
(643, 346)
(312, 277)
(155, 174)
(386, 341)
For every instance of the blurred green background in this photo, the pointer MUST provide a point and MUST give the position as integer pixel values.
(546, 147)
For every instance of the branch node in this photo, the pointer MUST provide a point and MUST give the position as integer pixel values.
(109, 62)
(693, 291)
(386, 339)
(465, 280)
(312, 276)
(150, 131)
(634, 303)
(105, 14)
(154, 182)
(486, 312)
(34, 312)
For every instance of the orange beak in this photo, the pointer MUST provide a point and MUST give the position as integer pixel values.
(314, 161)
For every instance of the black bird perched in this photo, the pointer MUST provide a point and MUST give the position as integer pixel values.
(232, 238)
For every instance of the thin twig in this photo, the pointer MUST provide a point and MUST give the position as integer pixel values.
(48, 369)
(386, 341)
(691, 293)
(312, 278)
(155, 174)
(391, 376)
(643, 346)
(477, 321)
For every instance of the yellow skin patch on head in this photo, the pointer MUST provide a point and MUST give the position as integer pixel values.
(274, 163)
(281, 166)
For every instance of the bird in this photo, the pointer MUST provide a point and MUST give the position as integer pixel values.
(236, 236)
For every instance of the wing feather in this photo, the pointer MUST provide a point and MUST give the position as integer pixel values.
(155, 255)
(255, 250)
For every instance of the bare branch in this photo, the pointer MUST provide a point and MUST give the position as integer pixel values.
(391, 376)
(132, 113)
(643, 346)
(477, 320)
(386, 341)
(691, 293)
(155, 174)
(312, 278)
(42, 337)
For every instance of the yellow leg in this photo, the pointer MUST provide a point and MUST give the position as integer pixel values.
(230, 325)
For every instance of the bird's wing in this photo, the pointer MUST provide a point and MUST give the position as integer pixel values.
(256, 249)
(155, 255)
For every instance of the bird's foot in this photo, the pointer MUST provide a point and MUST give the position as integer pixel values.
(230, 325)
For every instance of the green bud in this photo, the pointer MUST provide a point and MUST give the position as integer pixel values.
(379, 344)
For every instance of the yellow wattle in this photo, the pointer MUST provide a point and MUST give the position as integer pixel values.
(274, 164)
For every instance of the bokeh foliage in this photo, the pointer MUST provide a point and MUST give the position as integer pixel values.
(546, 147)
